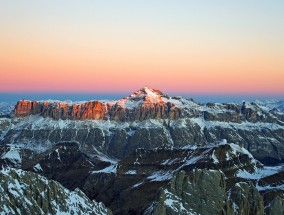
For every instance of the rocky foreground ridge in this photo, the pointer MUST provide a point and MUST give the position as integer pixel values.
(220, 179)
(24, 192)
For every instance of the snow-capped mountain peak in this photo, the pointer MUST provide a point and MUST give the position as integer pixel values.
(146, 94)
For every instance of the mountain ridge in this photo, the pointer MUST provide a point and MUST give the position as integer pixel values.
(151, 104)
(144, 104)
(147, 118)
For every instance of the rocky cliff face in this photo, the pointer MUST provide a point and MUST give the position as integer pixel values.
(276, 206)
(119, 139)
(60, 110)
(28, 193)
(143, 104)
(204, 192)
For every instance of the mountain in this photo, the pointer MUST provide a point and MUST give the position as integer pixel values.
(204, 192)
(143, 104)
(146, 180)
(28, 193)
(147, 118)
(149, 153)
(148, 104)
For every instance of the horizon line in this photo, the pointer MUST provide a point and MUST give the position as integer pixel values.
(130, 92)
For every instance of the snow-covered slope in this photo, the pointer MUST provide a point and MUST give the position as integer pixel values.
(118, 139)
(185, 181)
(24, 192)
(149, 119)
(271, 104)
(6, 108)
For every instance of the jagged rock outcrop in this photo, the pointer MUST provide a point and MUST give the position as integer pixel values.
(145, 172)
(204, 192)
(246, 199)
(65, 164)
(147, 177)
(276, 206)
(28, 193)
(229, 158)
(59, 110)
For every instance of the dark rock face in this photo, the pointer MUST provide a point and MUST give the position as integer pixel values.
(246, 199)
(200, 192)
(65, 164)
(98, 183)
(276, 206)
(204, 192)
(207, 180)
(119, 139)
(141, 177)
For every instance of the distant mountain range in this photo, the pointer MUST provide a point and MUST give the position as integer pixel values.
(271, 104)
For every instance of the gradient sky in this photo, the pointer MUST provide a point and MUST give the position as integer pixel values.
(183, 46)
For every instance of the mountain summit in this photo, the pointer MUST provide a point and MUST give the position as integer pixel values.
(143, 104)
(146, 94)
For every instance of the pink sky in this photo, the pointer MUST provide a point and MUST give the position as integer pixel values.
(120, 51)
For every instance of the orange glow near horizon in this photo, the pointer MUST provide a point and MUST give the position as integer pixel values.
(38, 68)
(108, 58)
